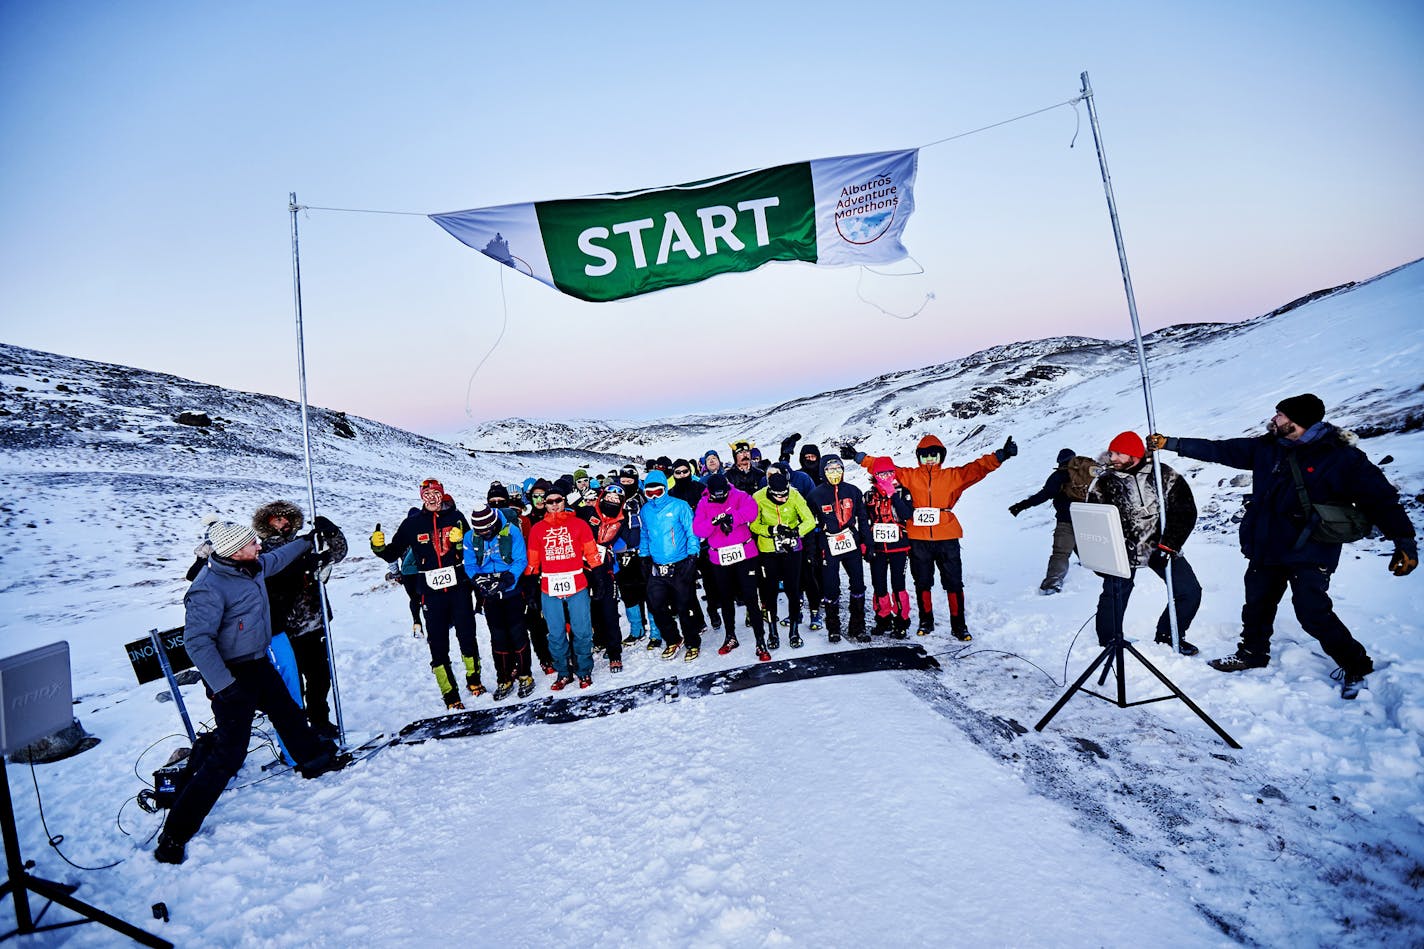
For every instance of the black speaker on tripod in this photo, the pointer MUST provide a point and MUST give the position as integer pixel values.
(36, 699)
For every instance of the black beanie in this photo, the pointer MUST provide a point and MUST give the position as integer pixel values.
(1304, 410)
(497, 490)
(717, 485)
(1066, 455)
(776, 482)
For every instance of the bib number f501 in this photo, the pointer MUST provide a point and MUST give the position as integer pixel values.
(726, 556)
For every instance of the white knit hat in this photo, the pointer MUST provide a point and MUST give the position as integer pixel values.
(228, 538)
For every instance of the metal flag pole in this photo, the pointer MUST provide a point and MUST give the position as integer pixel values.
(293, 208)
(1087, 92)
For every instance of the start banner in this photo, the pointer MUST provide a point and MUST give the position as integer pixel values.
(831, 211)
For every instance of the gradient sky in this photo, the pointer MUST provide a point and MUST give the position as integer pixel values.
(1258, 151)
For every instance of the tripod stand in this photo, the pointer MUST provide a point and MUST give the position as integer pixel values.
(20, 884)
(1114, 654)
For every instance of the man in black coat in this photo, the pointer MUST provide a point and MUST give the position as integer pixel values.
(1280, 534)
(295, 596)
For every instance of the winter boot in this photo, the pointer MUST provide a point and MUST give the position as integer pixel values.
(773, 638)
(1350, 685)
(671, 650)
(855, 627)
(1239, 661)
(445, 678)
(816, 620)
(168, 850)
(526, 686)
(728, 644)
(958, 628)
(883, 613)
(901, 618)
(1050, 587)
(926, 613)
(635, 624)
(833, 621)
(472, 676)
(762, 653)
(502, 690)
(1185, 648)
(795, 638)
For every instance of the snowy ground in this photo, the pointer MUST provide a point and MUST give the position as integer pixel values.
(888, 808)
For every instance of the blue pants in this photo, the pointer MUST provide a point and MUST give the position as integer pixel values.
(1112, 604)
(580, 622)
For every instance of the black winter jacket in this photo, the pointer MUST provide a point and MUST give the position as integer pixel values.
(1334, 472)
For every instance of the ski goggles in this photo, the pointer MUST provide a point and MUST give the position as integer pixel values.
(654, 491)
(930, 457)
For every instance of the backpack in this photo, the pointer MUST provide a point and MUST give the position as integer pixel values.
(1081, 474)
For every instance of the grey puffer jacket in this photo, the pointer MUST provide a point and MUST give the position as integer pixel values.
(227, 616)
(1134, 494)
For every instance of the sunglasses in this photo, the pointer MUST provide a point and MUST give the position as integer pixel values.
(930, 456)
(552, 499)
(884, 475)
(536, 497)
(681, 472)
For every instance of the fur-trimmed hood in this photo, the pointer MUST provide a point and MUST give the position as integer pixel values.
(277, 509)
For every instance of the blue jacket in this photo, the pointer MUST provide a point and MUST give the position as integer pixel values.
(503, 553)
(666, 525)
(1334, 472)
(227, 615)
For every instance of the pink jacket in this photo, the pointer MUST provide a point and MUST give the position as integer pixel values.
(743, 509)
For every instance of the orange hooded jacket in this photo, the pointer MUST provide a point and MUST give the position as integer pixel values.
(932, 486)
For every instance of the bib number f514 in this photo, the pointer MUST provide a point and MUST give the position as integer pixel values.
(885, 533)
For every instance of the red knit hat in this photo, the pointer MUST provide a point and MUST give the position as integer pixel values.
(1128, 443)
(883, 463)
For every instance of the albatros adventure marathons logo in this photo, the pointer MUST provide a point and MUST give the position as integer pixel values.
(866, 210)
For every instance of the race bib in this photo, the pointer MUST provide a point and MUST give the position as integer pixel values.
(842, 543)
(441, 579)
(726, 556)
(562, 584)
(885, 533)
(926, 516)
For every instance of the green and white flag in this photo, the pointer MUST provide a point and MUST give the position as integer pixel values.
(830, 211)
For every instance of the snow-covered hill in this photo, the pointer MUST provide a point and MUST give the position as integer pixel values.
(890, 808)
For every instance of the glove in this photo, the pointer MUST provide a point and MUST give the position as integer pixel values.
(848, 451)
(507, 580)
(1008, 451)
(323, 527)
(863, 549)
(788, 444)
(203, 551)
(393, 575)
(1405, 559)
(1156, 442)
(378, 540)
(783, 531)
(1018, 508)
(454, 535)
